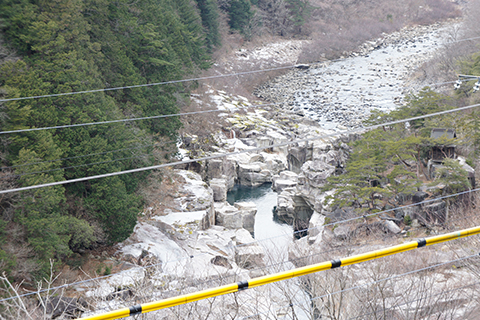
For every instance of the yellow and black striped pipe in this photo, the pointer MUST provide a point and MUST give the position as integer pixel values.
(260, 281)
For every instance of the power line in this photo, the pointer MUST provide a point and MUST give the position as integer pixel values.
(461, 40)
(131, 119)
(247, 244)
(149, 84)
(183, 80)
(377, 281)
(71, 167)
(419, 299)
(86, 155)
(239, 152)
(285, 275)
(397, 276)
(80, 165)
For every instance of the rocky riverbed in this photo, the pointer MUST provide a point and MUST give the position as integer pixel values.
(342, 93)
(201, 240)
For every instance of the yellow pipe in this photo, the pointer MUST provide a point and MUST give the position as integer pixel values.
(260, 281)
(379, 253)
(195, 296)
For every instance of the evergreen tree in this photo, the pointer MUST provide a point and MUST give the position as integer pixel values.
(240, 14)
(75, 45)
(209, 14)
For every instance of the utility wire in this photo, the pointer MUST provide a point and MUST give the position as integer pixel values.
(357, 130)
(87, 155)
(143, 155)
(467, 39)
(246, 244)
(131, 119)
(184, 80)
(71, 167)
(374, 282)
(419, 299)
(149, 84)
(397, 276)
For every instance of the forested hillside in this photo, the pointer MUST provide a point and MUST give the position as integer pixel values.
(74, 45)
(61, 46)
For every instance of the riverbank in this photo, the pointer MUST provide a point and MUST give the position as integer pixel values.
(199, 240)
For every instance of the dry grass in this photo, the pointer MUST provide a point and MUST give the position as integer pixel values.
(337, 27)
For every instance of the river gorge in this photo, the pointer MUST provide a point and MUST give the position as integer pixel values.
(211, 234)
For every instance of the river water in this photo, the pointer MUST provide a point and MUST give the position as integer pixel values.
(273, 236)
(341, 95)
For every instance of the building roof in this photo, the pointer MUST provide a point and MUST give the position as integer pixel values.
(443, 133)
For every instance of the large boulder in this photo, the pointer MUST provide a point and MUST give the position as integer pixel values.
(194, 195)
(296, 157)
(248, 254)
(248, 210)
(315, 227)
(274, 162)
(222, 168)
(419, 196)
(315, 173)
(253, 174)
(392, 227)
(242, 215)
(311, 180)
(228, 216)
(286, 179)
(178, 225)
(285, 210)
(219, 188)
(292, 209)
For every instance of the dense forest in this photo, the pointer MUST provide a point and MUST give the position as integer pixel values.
(68, 46)
(61, 46)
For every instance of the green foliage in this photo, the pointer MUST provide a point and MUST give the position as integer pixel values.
(391, 156)
(300, 11)
(209, 14)
(7, 262)
(452, 176)
(425, 102)
(74, 45)
(407, 220)
(108, 271)
(239, 14)
(114, 207)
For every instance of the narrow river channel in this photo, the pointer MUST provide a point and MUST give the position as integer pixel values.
(273, 236)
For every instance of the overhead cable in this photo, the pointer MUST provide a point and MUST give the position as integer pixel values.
(378, 281)
(71, 167)
(420, 299)
(143, 155)
(128, 120)
(183, 80)
(280, 276)
(149, 84)
(86, 155)
(357, 130)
